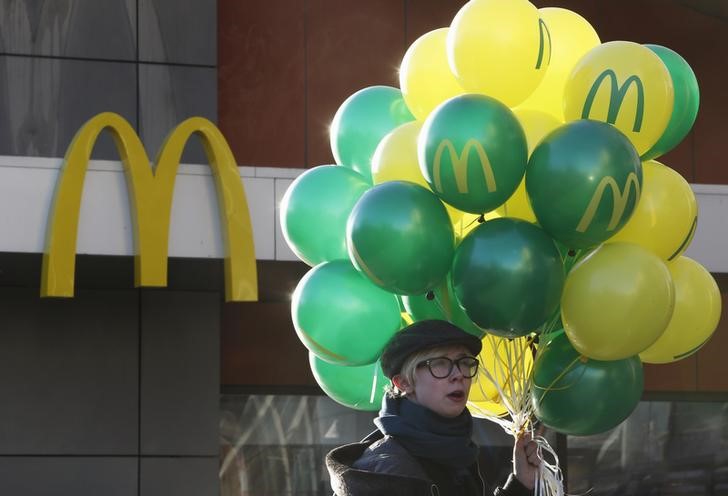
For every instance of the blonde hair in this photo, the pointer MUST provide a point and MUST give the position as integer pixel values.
(409, 368)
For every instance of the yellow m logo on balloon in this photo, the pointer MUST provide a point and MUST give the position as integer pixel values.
(619, 197)
(150, 197)
(460, 162)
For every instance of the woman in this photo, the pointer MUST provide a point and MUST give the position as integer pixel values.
(423, 444)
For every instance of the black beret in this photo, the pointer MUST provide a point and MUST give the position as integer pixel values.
(421, 336)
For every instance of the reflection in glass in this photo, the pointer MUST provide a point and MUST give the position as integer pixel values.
(275, 444)
(663, 448)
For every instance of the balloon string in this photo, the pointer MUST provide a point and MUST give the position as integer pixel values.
(373, 392)
(549, 479)
(444, 301)
(548, 327)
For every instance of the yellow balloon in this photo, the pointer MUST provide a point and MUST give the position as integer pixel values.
(571, 37)
(666, 215)
(500, 48)
(625, 84)
(395, 159)
(617, 301)
(536, 125)
(518, 205)
(425, 77)
(509, 363)
(697, 312)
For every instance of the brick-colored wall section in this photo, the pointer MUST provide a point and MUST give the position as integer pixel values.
(284, 68)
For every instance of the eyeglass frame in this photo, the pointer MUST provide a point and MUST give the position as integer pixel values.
(453, 363)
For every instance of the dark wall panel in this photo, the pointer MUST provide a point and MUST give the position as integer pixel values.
(78, 476)
(180, 372)
(261, 81)
(179, 477)
(69, 373)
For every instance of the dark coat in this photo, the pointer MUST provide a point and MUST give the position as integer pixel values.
(382, 467)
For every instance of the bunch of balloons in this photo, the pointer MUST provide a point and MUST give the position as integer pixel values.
(510, 186)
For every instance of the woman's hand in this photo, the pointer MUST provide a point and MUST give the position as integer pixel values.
(526, 460)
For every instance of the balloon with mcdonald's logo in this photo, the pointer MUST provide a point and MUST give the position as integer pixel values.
(571, 37)
(472, 152)
(584, 181)
(666, 216)
(499, 48)
(395, 159)
(624, 84)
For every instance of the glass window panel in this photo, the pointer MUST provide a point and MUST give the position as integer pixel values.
(664, 448)
(276, 444)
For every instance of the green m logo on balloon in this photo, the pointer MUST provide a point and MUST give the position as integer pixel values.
(543, 35)
(619, 201)
(616, 98)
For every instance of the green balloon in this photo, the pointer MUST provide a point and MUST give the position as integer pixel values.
(361, 388)
(399, 234)
(341, 317)
(315, 209)
(473, 152)
(579, 396)
(440, 304)
(362, 121)
(508, 276)
(685, 103)
(584, 181)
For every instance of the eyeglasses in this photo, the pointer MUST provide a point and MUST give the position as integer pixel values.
(441, 367)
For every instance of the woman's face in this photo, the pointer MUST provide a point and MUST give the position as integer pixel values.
(447, 397)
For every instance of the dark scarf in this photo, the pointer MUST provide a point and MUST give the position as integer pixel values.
(425, 434)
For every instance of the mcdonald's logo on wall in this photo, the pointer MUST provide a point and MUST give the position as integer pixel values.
(150, 191)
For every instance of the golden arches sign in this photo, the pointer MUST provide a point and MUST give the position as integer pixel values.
(460, 165)
(620, 201)
(150, 198)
